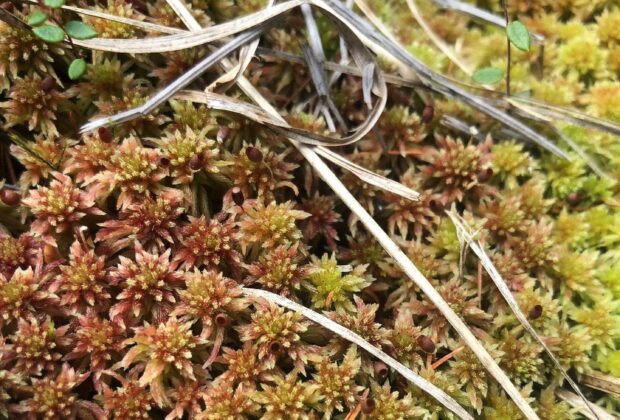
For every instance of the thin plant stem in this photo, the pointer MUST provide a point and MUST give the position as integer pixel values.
(508, 52)
(61, 26)
(447, 357)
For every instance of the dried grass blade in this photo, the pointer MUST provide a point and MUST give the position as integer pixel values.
(385, 46)
(182, 81)
(246, 51)
(367, 75)
(535, 114)
(228, 104)
(465, 232)
(567, 115)
(319, 80)
(354, 338)
(369, 177)
(192, 24)
(361, 55)
(589, 160)
(371, 76)
(186, 40)
(225, 103)
(341, 68)
(245, 57)
(602, 382)
(314, 37)
(374, 19)
(316, 71)
(472, 11)
(439, 43)
(456, 124)
(184, 14)
(363, 58)
(345, 18)
(576, 402)
(481, 14)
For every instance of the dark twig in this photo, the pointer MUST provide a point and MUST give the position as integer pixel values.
(61, 26)
(508, 55)
(18, 140)
(13, 20)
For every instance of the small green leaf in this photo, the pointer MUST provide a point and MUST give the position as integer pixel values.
(80, 30)
(519, 35)
(54, 4)
(49, 33)
(37, 18)
(488, 75)
(77, 68)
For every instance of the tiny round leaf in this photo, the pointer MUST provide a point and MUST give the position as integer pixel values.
(518, 35)
(37, 18)
(488, 75)
(79, 30)
(77, 68)
(54, 4)
(49, 33)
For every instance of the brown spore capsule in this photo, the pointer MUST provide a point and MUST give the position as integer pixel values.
(196, 162)
(105, 135)
(50, 254)
(47, 84)
(10, 197)
(536, 312)
(573, 198)
(485, 175)
(254, 154)
(140, 6)
(368, 405)
(222, 320)
(426, 344)
(436, 206)
(428, 113)
(381, 370)
(275, 347)
(237, 196)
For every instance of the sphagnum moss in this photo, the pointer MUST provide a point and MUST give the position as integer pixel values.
(121, 293)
